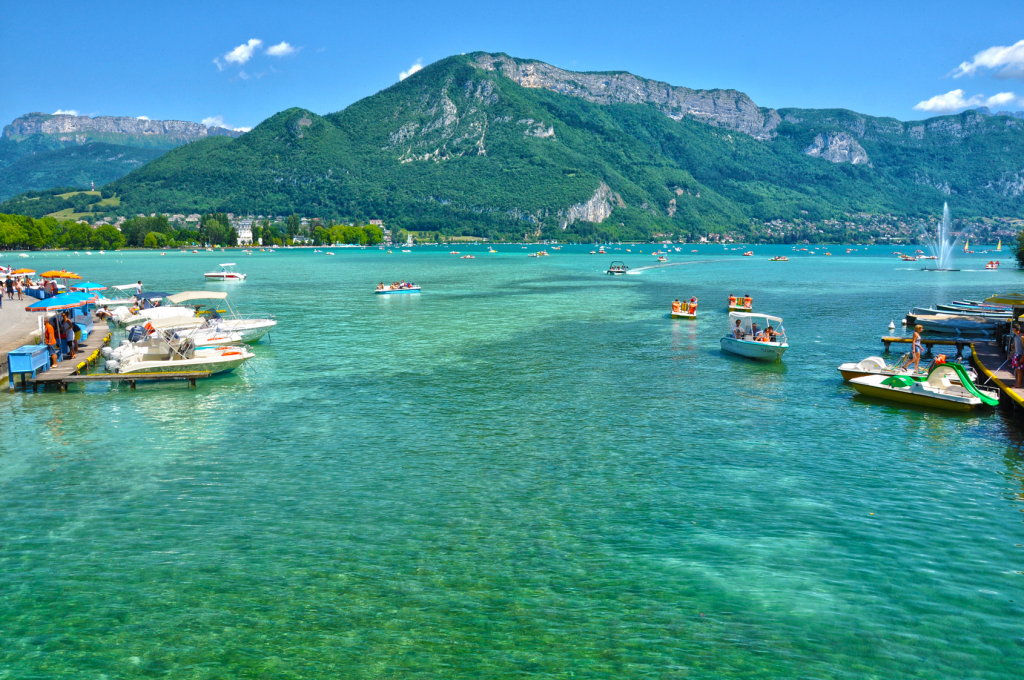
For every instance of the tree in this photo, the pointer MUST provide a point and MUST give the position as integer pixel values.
(155, 239)
(78, 237)
(292, 225)
(321, 236)
(1020, 249)
(107, 237)
(374, 234)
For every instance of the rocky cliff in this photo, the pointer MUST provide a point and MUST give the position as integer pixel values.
(78, 126)
(837, 148)
(724, 108)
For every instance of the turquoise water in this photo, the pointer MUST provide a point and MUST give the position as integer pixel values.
(529, 469)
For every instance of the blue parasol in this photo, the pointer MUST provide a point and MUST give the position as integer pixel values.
(87, 286)
(61, 302)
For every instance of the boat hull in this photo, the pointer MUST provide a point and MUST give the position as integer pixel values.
(251, 330)
(740, 308)
(398, 291)
(762, 351)
(185, 366)
(214, 276)
(905, 397)
(684, 315)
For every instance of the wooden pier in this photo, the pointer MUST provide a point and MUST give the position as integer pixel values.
(995, 367)
(75, 371)
(959, 343)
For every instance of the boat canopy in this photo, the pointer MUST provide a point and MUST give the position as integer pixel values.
(178, 298)
(155, 295)
(751, 316)
(130, 286)
(1014, 299)
(173, 322)
(227, 264)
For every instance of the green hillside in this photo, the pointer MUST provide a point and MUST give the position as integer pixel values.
(462, 147)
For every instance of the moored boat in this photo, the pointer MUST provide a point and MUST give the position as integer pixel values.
(878, 366)
(947, 386)
(251, 327)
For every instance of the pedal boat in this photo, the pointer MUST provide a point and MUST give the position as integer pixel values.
(739, 307)
(878, 366)
(938, 390)
(395, 290)
(683, 314)
(750, 348)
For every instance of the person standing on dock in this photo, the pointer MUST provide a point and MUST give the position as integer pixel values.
(916, 347)
(1017, 360)
(51, 342)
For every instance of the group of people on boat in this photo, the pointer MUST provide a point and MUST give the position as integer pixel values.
(745, 301)
(685, 307)
(397, 285)
(766, 335)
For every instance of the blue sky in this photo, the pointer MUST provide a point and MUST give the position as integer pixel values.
(240, 62)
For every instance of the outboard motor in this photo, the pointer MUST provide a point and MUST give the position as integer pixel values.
(136, 333)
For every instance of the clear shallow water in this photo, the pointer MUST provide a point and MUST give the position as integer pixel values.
(527, 469)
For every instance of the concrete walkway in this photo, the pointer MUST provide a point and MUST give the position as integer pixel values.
(17, 327)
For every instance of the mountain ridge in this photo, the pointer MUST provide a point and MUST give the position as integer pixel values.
(463, 146)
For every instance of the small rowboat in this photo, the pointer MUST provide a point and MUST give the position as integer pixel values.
(938, 390)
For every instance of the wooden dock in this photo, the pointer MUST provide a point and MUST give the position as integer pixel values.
(76, 371)
(992, 364)
(959, 343)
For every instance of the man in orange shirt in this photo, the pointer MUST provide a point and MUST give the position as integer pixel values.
(51, 342)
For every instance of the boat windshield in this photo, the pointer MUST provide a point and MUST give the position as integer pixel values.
(753, 326)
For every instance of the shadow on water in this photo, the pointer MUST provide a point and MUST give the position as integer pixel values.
(895, 407)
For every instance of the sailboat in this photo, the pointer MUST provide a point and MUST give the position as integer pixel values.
(999, 246)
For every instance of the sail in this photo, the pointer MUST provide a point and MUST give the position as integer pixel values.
(999, 246)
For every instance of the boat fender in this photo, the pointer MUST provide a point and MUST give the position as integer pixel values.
(941, 359)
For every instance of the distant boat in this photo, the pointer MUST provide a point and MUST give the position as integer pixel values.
(999, 246)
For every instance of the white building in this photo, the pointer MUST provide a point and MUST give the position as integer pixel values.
(244, 230)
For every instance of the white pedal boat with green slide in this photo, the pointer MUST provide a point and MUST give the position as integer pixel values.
(947, 387)
(746, 338)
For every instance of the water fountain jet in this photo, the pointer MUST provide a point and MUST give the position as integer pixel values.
(941, 245)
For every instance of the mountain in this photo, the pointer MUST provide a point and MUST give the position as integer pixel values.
(40, 151)
(491, 145)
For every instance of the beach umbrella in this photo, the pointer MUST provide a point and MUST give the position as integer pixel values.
(54, 274)
(87, 286)
(62, 302)
(1012, 299)
(23, 272)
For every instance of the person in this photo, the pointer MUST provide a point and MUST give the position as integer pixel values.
(1017, 360)
(18, 287)
(138, 289)
(10, 288)
(748, 301)
(68, 334)
(754, 333)
(147, 303)
(693, 305)
(769, 334)
(915, 348)
(675, 305)
(53, 287)
(50, 340)
(732, 302)
(737, 332)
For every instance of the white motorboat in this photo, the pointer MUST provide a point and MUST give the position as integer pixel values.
(394, 289)
(195, 328)
(226, 273)
(742, 338)
(118, 300)
(962, 325)
(251, 327)
(169, 355)
(122, 317)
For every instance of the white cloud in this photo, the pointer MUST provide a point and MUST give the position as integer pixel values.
(1001, 99)
(141, 117)
(213, 121)
(243, 75)
(243, 52)
(68, 112)
(1009, 60)
(281, 50)
(242, 129)
(418, 66)
(949, 102)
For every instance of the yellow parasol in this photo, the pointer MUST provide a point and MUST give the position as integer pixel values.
(54, 274)
(1012, 299)
(21, 272)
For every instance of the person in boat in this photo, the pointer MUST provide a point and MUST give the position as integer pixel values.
(693, 305)
(754, 333)
(748, 301)
(737, 331)
(675, 305)
(380, 286)
(769, 334)
(732, 301)
(915, 348)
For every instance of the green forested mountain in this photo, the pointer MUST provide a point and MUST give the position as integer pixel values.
(39, 151)
(490, 145)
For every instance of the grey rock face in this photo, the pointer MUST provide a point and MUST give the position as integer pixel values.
(725, 108)
(596, 209)
(41, 123)
(838, 148)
